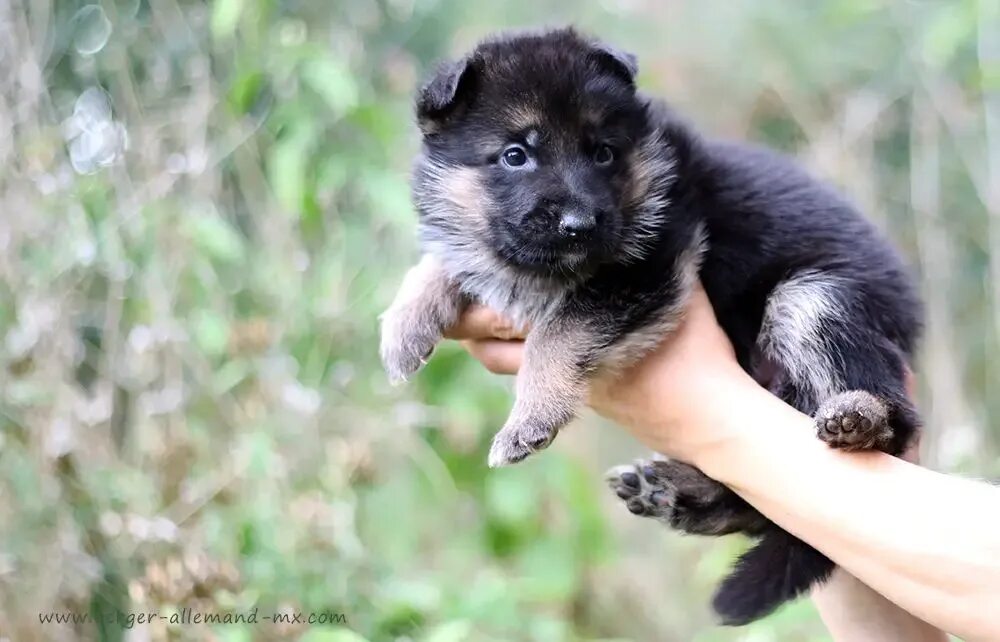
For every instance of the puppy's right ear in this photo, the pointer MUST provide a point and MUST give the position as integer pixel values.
(620, 62)
(446, 90)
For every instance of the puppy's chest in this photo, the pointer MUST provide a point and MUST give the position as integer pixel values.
(523, 300)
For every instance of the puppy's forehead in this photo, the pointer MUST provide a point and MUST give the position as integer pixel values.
(558, 109)
(547, 86)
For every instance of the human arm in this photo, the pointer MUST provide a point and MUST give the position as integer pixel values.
(927, 542)
(851, 610)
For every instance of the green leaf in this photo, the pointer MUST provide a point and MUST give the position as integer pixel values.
(389, 195)
(511, 496)
(229, 375)
(549, 571)
(216, 237)
(225, 17)
(317, 634)
(288, 168)
(989, 78)
(245, 91)
(952, 28)
(454, 631)
(233, 633)
(332, 80)
(211, 332)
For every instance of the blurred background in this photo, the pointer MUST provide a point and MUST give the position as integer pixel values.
(203, 208)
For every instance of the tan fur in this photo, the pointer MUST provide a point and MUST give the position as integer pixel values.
(644, 167)
(645, 198)
(550, 388)
(428, 127)
(592, 118)
(522, 117)
(426, 304)
(462, 188)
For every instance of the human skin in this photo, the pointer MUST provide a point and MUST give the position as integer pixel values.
(927, 544)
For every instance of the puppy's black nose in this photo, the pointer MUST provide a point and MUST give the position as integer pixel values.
(577, 225)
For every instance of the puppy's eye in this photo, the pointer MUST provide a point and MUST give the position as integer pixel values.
(514, 156)
(603, 155)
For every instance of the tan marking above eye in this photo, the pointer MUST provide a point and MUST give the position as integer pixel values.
(521, 117)
(592, 117)
(491, 145)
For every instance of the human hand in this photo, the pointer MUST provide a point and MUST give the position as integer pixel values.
(666, 400)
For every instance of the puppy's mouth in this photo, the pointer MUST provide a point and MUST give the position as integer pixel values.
(575, 252)
(559, 257)
(569, 245)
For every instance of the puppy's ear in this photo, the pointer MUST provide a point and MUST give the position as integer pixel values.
(447, 88)
(617, 61)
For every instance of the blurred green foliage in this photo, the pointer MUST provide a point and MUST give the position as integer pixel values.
(203, 208)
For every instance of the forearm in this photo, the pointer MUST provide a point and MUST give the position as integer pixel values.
(851, 610)
(927, 542)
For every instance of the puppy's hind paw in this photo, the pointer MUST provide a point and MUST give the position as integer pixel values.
(854, 420)
(683, 497)
(643, 492)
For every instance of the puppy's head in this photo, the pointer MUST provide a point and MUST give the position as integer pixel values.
(539, 152)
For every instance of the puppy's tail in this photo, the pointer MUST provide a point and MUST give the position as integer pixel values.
(777, 569)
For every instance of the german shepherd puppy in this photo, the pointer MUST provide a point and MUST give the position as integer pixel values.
(554, 192)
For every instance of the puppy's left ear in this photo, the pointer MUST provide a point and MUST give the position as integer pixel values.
(617, 61)
(448, 87)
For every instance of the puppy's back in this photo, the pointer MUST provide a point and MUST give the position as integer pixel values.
(768, 219)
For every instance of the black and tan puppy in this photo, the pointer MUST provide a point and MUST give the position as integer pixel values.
(551, 190)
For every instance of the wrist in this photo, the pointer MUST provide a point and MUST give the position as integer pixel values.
(701, 419)
(747, 426)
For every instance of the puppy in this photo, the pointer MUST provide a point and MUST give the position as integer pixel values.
(553, 191)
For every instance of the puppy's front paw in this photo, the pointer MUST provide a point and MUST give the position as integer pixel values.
(854, 420)
(520, 438)
(407, 343)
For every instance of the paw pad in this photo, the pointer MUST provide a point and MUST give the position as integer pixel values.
(853, 420)
(642, 489)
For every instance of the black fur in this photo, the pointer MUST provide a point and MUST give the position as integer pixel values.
(815, 302)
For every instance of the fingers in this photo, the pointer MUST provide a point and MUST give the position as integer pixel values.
(479, 322)
(499, 357)
(490, 339)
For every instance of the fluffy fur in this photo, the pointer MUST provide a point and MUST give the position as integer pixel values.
(552, 190)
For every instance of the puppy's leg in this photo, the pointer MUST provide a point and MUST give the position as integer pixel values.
(844, 372)
(427, 303)
(551, 386)
(684, 498)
